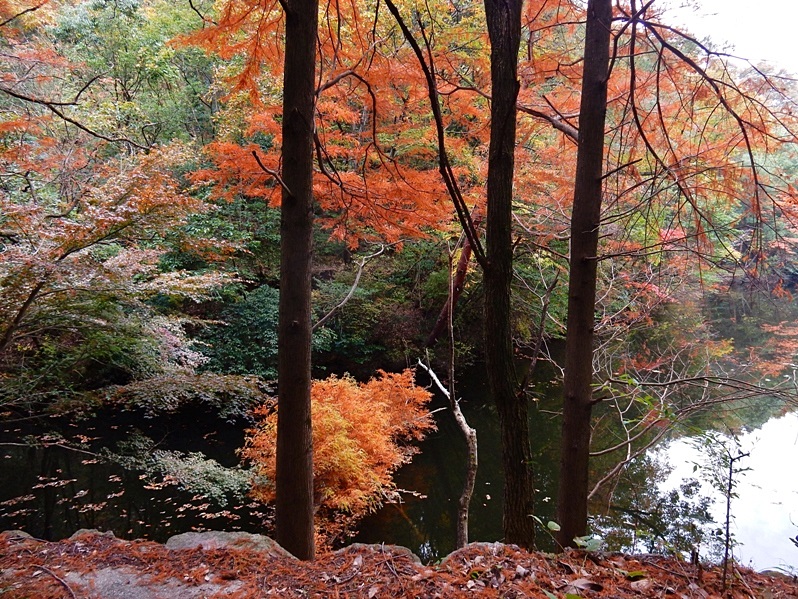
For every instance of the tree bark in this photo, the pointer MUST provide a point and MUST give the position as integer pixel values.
(447, 312)
(472, 463)
(294, 476)
(577, 386)
(504, 29)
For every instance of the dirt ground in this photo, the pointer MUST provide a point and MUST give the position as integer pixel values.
(240, 565)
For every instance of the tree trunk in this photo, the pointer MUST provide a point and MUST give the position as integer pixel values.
(504, 29)
(578, 401)
(294, 477)
(447, 312)
(472, 462)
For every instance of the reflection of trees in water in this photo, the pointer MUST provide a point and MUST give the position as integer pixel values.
(636, 515)
(639, 512)
(54, 485)
(684, 372)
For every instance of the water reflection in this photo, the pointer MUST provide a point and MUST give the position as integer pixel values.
(51, 491)
(425, 520)
(765, 510)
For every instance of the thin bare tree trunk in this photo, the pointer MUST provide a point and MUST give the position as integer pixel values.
(472, 462)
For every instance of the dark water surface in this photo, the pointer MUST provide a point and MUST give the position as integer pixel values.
(50, 492)
(425, 520)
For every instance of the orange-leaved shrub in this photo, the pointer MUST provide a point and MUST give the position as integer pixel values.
(362, 432)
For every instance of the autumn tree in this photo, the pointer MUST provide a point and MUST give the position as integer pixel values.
(687, 137)
(362, 432)
(585, 221)
(86, 220)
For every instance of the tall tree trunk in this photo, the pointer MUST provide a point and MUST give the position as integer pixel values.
(578, 401)
(504, 29)
(294, 477)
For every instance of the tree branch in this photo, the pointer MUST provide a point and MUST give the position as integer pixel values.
(19, 14)
(352, 289)
(444, 166)
(52, 107)
(274, 174)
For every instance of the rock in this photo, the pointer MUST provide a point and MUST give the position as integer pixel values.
(124, 583)
(15, 535)
(245, 541)
(91, 531)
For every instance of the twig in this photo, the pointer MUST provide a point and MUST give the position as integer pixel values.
(274, 174)
(352, 289)
(46, 445)
(205, 19)
(19, 14)
(53, 107)
(668, 570)
(59, 579)
(748, 588)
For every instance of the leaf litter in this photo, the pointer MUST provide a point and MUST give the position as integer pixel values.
(95, 565)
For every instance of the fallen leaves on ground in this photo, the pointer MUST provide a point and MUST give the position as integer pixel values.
(80, 566)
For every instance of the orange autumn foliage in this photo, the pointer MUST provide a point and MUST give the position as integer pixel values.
(362, 432)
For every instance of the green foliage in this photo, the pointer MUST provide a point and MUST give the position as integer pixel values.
(540, 282)
(243, 234)
(590, 543)
(245, 342)
(231, 397)
(144, 87)
(244, 339)
(196, 473)
(86, 345)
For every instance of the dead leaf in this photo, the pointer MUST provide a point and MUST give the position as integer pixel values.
(583, 584)
(641, 586)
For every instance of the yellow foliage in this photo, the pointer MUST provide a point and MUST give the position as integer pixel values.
(361, 435)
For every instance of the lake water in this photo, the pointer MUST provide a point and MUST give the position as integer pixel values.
(51, 492)
(765, 511)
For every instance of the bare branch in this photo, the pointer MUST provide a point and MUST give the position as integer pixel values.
(24, 12)
(200, 15)
(274, 174)
(54, 108)
(59, 579)
(352, 289)
(444, 166)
